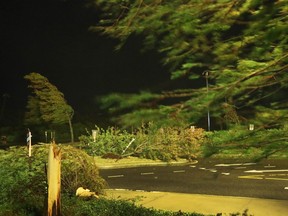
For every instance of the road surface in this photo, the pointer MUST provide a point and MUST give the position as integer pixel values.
(266, 179)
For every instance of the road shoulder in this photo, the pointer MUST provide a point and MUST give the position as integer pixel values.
(205, 204)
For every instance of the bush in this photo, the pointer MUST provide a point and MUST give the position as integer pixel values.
(165, 143)
(111, 140)
(23, 179)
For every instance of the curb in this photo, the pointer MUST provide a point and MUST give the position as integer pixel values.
(127, 165)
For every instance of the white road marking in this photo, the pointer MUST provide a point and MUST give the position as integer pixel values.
(265, 171)
(278, 174)
(286, 188)
(178, 171)
(116, 176)
(236, 164)
(148, 173)
(211, 170)
(279, 179)
(265, 177)
(225, 173)
(192, 166)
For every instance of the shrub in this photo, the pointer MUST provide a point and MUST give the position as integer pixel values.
(165, 143)
(23, 179)
(111, 140)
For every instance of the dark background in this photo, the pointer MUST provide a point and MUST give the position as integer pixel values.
(52, 38)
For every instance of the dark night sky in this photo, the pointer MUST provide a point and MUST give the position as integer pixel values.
(51, 37)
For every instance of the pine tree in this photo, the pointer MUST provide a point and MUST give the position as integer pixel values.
(47, 104)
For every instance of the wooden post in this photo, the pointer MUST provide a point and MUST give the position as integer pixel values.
(54, 181)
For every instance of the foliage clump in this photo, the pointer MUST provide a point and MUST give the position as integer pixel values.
(164, 143)
(172, 143)
(237, 48)
(23, 179)
(241, 142)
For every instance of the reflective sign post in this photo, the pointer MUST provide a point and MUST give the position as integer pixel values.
(29, 142)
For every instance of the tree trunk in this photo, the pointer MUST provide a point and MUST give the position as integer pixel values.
(71, 130)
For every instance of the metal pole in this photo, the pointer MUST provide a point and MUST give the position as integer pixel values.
(206, 73)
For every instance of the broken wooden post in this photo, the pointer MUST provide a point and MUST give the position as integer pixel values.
(54, 181)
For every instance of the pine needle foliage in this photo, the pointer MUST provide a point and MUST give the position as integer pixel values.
(240, 143)
(241, 44)
(47, 104)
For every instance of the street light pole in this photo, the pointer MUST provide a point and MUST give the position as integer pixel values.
(206, 74)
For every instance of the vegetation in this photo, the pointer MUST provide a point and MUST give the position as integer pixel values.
(47, 104)
(238, 48)
(23, 179)
(233, 54)
(105, 207)
(165, 143)
(240, 142)
(172, 143)
(23, 186)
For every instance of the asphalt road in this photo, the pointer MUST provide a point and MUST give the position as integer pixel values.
(266, 179)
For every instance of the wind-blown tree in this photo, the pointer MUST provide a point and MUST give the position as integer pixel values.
(47, 104)
(239, 47)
